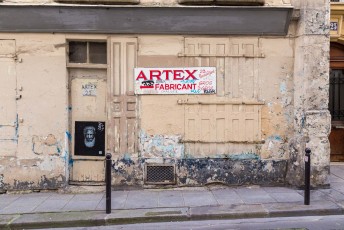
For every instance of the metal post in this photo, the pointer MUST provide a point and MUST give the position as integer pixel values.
(307, 175)
(108, 182)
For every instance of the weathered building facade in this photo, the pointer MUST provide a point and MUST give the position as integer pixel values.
(69, 92)
(336, 81)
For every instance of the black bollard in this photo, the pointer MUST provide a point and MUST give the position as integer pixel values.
(108, 182)
(307, 175)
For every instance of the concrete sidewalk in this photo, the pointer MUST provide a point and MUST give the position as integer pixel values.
(51, 209)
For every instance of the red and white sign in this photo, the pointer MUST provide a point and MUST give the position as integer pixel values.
(191, 80)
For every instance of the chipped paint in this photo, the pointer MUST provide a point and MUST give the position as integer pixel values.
(235, 172)
(1, 181)
(69, 136)
(70, 162)
(46, 169)
(43, 183)
(165, 146)
(46, 145)
(281, 108)
(243, 156)
(283, 88)
(127, 171)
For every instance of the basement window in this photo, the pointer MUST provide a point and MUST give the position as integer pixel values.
(87, 53)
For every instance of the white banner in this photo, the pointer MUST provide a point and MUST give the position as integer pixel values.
(191, 80)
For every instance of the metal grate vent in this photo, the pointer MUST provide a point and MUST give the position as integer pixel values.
(160, 174)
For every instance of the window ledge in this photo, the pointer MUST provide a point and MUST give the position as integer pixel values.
(87, 66)
(98, 2)
(223, 2)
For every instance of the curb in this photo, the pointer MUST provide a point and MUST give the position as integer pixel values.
(133, 216)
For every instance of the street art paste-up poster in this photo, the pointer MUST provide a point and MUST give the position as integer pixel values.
(191, 80)
(89, 138)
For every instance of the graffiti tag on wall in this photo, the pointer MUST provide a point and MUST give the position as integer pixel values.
(192, 80)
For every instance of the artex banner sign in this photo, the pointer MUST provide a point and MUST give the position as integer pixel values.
(191, 80)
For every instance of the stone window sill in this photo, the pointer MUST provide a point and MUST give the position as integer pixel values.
(105, 2)
(223, 2)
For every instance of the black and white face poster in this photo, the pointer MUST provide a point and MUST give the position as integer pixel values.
(89, 138)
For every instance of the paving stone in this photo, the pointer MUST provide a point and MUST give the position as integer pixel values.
(314, 194)
(318, 195)
(23, 204)
(337, 170)
(199, 198)
(338, 187)
(171, 199)
(119, 194)
(227, 196)
(39, 194)
(6, 200)
(117, 201)
(51, 206)
(334, 194)
(17, 209)
(254, 196)
(336, 179)
(142, 199)
(81, 205)
(278, 189)
(250, 191)
(287, 197)
(61, 196)
(87, 197)
(9, 197)
(340, 203)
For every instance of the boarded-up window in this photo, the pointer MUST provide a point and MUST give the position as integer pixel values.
(214, 123)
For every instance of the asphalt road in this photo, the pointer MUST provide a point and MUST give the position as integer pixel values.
(282, 223)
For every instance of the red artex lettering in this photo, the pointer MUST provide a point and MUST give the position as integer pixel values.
(177, 75)
(190, 74)
(155, 73)
(141, 76)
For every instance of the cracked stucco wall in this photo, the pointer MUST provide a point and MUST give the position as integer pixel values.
(311, 80)
(39, 158)
(291, 87)
(163, 129)
(274, 77)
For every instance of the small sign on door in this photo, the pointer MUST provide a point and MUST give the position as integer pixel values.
(89, 89)
(89, 138)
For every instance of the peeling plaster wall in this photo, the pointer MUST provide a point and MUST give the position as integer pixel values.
(161, 146)
(127, 171)
(230, 171)
(165, 123)
(311, 83)
(277, 92)
(286, 88)
(39, 161)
